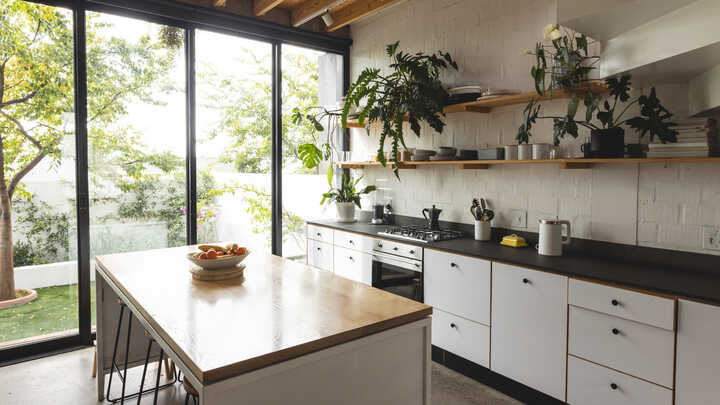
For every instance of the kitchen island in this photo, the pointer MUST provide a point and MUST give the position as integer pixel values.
(283, 333)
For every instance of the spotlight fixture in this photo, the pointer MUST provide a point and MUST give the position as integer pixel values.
(327, 19)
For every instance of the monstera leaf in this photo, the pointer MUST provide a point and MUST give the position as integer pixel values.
(654, 119)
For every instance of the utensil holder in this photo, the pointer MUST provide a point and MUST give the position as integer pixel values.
(482, 230)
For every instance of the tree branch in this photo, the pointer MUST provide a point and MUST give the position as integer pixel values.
(103, 108)
(23, 172)
(2, 79)
(22, 130)
(21, 99)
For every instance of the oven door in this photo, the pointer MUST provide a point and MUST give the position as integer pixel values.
(398, 275)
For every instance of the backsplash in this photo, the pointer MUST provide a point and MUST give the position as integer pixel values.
(648, 204)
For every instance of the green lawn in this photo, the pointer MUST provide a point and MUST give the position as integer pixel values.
(54, 310)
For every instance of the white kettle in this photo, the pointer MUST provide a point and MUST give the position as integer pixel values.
(551, 237)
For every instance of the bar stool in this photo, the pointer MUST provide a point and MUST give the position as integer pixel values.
(158, 387)
(113, 365)
(190, 391)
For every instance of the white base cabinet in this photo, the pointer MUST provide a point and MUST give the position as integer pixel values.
(465, 338)
(591, 384)
(320, 255)
(697, 370)
(352, 264)
(529, 328)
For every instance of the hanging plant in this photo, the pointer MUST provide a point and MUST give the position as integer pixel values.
(412, 92)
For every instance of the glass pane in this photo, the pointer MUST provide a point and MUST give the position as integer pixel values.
(234, 110)
(38, 256)
(310, 79)
(136, 134)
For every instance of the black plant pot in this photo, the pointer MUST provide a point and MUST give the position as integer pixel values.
(607, 143)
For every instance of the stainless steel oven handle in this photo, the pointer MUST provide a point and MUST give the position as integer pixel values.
(414, 265)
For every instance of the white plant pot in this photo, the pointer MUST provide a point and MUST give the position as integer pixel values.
(345, 211)
(524, 152)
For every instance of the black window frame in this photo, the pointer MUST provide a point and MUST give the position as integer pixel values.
(189, 18)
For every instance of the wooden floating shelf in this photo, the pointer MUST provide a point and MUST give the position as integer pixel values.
(564, 163)
(486, 105)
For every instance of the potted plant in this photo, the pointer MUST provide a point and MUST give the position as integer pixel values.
(411, 92)
(570, 70)
(346, 197)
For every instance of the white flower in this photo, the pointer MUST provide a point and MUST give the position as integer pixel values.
(526, 51)
(551, 32)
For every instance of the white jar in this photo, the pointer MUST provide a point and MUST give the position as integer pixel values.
(541, 151)
(524, 151)
(511, 152)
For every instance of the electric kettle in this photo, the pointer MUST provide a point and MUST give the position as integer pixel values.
(551, 237)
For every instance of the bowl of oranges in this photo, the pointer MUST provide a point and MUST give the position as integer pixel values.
(214, 257)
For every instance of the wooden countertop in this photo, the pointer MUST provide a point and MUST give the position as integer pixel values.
(279, 310)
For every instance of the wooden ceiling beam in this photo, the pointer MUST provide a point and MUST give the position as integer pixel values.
(263, 6)
(356, 10)
(310, 9)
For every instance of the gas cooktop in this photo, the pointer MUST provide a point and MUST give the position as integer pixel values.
(420, 234)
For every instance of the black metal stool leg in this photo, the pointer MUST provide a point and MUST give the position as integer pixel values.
(114, 356)
(142, 381)
(127, 352)
(187, 398)
(157, 381)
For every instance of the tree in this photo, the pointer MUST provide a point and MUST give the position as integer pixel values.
(36, 98)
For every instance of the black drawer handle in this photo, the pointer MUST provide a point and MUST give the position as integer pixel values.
(615, 331)
(452, 325)
(453, 265)
(351, 258)
(525, 281)
(318, 249)
(395, 248)
(412, 252)
(615, 303)
(351, 242)
(613, 386)
(379, 244)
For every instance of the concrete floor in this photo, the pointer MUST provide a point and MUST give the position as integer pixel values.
(65, 379)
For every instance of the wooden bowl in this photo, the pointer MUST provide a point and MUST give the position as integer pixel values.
(216, 264)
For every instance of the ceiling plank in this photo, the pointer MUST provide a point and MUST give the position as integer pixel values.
(310, 9)
(356, 10)
(263, 6)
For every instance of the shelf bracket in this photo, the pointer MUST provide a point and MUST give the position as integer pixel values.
(477, 166)
(575, 165)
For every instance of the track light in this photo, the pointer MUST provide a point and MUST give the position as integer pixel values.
(327, 19)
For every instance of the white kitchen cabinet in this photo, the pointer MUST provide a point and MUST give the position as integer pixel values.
(352, 241)
(529, 327)
(467, 339)
(591, 384)
(352, 264)
(458, 284)
(320, 255)
(320, 233)
(634, 348)
(697, 371)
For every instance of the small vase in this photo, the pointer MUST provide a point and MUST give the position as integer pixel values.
(524, 151)
(607, 143)
(345, 211)
(482, 230)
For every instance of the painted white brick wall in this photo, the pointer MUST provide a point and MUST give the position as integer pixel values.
(648, 204)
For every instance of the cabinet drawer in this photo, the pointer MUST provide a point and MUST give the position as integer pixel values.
(458, 284)
(403, 249)
(352, 241)
(590, 384)
(467, 339)
(632, 305)
(352, 264)
(320, 233)
(634, 348)
(320, 255)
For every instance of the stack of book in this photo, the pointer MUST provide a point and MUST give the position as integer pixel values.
(692, 141)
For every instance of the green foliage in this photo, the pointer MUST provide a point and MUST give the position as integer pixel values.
(45, 233)
(653, 119)
(260, 208)
(347, 192)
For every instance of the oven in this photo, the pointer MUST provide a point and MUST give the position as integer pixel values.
(398, 268)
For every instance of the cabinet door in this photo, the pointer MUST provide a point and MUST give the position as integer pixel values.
(458, 284)
(697, 380)
(352, 241)
(320, 255)
(529, 327)
(467, 339)
(352, 264)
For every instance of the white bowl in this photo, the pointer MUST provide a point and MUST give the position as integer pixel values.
(216, 264)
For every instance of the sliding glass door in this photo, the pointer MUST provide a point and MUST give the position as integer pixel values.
(136, 134)
(234, 113)
(38, 257)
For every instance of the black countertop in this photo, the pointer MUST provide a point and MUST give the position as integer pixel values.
(682, 274)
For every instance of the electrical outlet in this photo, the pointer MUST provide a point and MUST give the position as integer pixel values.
(518, 219)
(711, 237)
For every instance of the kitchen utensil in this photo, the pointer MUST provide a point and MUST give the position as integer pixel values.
(432, 215)
(474, 209)
(525, 151)
(491, 154)
(541, 151)
(487, 215)
(513, 241)
(551, 237)
(482, 230)
(511, 152)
